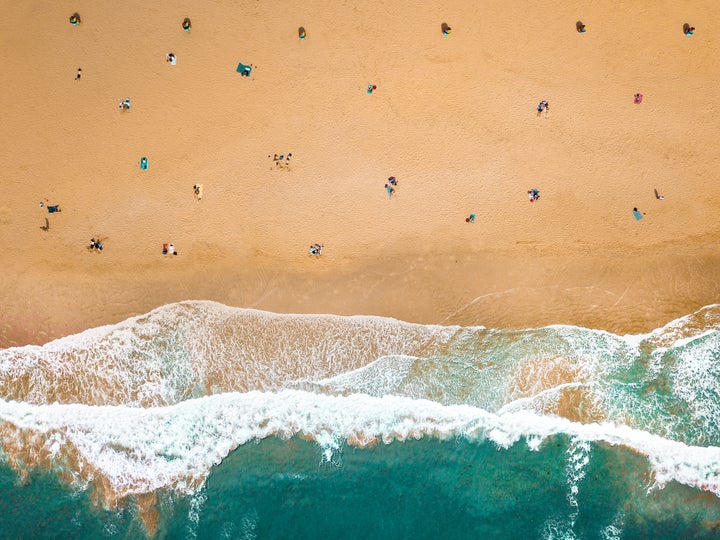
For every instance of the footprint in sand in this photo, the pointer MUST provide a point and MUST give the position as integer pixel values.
(5, 215)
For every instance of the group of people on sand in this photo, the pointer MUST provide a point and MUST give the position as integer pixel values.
(95, 245)
(391, 185)
(281, 160)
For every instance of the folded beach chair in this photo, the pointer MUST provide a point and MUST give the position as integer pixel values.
(244, 70)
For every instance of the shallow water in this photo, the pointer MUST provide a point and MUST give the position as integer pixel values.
(250, 424)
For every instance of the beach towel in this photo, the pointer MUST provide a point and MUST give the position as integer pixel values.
(638, 215)
(53, 209)
(244, 70)
(144, 164)
(637, 99)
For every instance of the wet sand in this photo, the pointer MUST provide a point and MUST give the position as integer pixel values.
(453, 118)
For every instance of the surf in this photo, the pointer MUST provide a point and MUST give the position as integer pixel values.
(155, 403)
(129, 451)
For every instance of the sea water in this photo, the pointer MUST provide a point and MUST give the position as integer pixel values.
(244, 424)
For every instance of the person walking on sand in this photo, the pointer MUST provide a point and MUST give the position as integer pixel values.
(543, 106)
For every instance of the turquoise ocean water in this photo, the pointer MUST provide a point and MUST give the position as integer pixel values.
(246, 424)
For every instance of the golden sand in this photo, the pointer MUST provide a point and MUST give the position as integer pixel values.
(453, 119)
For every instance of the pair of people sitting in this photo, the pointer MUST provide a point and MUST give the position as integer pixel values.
(316, 249)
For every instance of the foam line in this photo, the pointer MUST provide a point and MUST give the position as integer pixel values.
(140, 450)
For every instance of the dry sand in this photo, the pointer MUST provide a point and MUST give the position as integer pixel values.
(453, 118)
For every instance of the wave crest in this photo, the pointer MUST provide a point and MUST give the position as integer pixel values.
(133, 451)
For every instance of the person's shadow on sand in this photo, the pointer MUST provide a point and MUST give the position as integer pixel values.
(46, 227)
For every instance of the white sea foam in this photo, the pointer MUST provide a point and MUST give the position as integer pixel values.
(578, 453)
(141, 450)
(614, 530)
(684, 341)
(190, 349)
(377, 379)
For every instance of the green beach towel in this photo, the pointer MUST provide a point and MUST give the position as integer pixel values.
(244, 70)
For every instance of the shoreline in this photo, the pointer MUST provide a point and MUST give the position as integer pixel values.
(495, 290)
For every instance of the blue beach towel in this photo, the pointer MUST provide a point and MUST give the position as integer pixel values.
(637, 215)
(53, 209)
(144, 164)
(244, 70)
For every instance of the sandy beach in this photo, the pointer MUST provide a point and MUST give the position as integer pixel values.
(453, 118)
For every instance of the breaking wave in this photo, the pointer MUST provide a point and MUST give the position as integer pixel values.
(157, 401)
